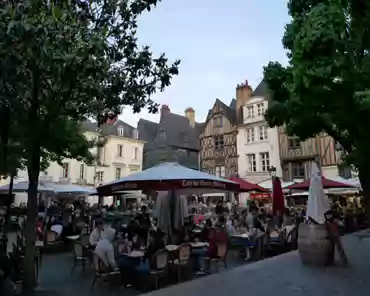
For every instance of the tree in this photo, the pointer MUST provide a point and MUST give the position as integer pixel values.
(325, 87)
(66, 61)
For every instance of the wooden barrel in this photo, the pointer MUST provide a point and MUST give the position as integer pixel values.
(314, 246)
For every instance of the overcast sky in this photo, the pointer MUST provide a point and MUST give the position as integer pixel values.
(220, 44)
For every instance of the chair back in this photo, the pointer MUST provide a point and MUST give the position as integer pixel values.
(160, 260)
(184, 252)
(292, 237)
(85, 239)
(78, 249)
(222, 250)
(51, 236)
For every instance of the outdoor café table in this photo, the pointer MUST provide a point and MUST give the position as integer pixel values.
(243, 239)
(73, 237)
(199, 244)
(171, 248)
(135, 254)
(197, 230)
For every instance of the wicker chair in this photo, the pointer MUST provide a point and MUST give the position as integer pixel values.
(183, 259)
(80, 257)
(221, 258)
(158, 266)
(103, 273)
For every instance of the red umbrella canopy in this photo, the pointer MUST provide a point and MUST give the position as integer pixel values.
(326, 184)
(246, 186)
(278, 204)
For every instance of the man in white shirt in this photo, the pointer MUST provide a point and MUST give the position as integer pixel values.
(105, 250)
(58, 228)
(96, 233)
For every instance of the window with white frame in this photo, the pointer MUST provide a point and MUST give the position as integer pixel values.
(121, 131)
(263, 132)
(100, 177)
(252, 165)
(250, 111)
(250, 135)
(118, 173)
(260, 109)
(82, 171)
(220, 171)
(65, 172)
(265, 161)
(135, 153)
(120, 150)
(298, 170)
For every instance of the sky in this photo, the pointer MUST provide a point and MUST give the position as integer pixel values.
(220, 44)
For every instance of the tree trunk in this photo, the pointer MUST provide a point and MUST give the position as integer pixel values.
(364, 175)
(30, 226)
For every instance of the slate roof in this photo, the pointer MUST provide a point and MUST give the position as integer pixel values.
(229, 111)
(261, 90)
(178, 131)
(111, 129)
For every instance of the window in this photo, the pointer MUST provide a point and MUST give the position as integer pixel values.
(260, 109)
(265, 161)
(250, 111)
(118, 173)
(250, 135)
(219, 142)
(345, 171)
(120, 150)
(120, 131)
(298, 171)
(263, 133)
(135, 134)
(220, 171)
(65, 167)
(218, 121)
(162, 135)
(293, 143)
(136, 153)
(82, 171)
(100, 177)
(252, 166)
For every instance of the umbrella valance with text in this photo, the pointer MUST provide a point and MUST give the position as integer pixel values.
(168, 176)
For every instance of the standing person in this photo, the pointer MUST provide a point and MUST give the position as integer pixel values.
(220, 208)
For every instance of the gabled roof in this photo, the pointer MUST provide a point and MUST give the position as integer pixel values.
(109, 129)
(261, 90)
(229, 111)
(178, 131)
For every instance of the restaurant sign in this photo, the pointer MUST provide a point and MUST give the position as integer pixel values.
(259, 196)
(202, 183)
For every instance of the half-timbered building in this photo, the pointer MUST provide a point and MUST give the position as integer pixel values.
(296, 156)
(218, 153)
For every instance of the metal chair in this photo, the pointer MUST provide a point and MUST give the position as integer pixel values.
(182, 260)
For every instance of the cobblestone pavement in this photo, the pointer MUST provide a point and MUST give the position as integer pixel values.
(285, 276)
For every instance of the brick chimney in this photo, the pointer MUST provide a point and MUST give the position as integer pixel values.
(243, 94)
(165, 108)
(190, 114)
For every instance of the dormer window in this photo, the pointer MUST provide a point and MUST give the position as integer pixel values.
(162, 135)
(120, 131)
(135, 134)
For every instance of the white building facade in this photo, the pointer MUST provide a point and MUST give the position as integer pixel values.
(121, 155)
(257, 144)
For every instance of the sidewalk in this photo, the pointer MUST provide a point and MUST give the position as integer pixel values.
(285, 276)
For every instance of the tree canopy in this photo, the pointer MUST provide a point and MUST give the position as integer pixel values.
(325, 86)
(63, 62)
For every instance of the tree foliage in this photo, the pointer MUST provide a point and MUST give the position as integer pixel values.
(325, 87)
(63, 62)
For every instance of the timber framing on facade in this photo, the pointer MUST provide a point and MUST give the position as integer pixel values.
(218, 153)
(296, 157)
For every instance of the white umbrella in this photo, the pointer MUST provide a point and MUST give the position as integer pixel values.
(23, 187)
(318, 202)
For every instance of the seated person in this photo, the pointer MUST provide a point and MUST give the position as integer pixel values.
(40, 229)
(96, 233)
(156, 243)
(57, 226)
(218, 236)
(104, 248)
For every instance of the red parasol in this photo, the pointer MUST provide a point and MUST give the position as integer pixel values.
(326, 184)
(246, 186)
(278, 204)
